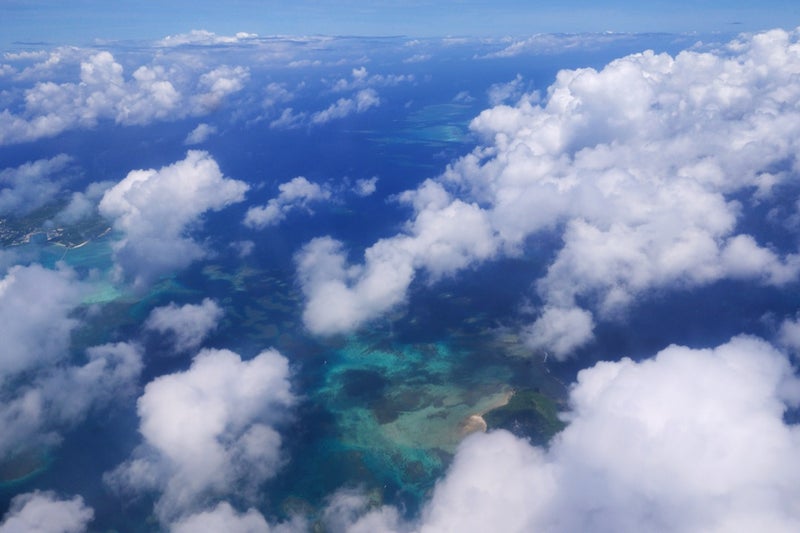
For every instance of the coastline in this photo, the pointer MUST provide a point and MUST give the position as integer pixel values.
(475, 422)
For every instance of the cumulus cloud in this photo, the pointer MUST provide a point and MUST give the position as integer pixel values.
(294, 194)
(223, 517)
(644, 169)
(501, 93)
(29, 186)
(362, 101)
(217, 84)
(152, 92)
(153, 209)
(366, 187)
(690, 440)
(189, 324)
(360, 79)
(44, 512)
(200, 134)
(23, 326)
(208, 431)
(560, 330)
(445, 236)
(789, 334)
(56, 398)
(83, 204)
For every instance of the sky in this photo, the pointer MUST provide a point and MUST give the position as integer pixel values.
(85, 20)
(262, 222)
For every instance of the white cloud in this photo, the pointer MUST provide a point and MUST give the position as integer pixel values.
(83, 204)
(43, 512)
(151, 93)
(205, 38)
(500, 93)
(288, 119)
(208, 431)
(362, 101)
(200, 134)
(636, 166)
(223, 517)
(548, 43)
(366, 187)
(445, 237)
(294, 194)
(154, 209)
(417, 58)
(463, 97)
(189, 324)
(276, 93)
(23, 326)
(218, 84)
(55, 398)
(42, 392)
(560, 330)
(31, 185)
(360, 79)
(691, 440)
(789, 334)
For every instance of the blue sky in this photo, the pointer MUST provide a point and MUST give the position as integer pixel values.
(80, 21)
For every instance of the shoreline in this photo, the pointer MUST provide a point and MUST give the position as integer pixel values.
(475, 422)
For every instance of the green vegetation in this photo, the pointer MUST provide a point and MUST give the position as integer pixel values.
(528, 413)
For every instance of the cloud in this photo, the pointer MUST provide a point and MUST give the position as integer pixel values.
(54, 399)
(218, 84)
(208, 431)
(41, 390)
(294, 194)
(548, 43)
(362, 101)
(643, 168)
(189, 324)
(222, 518)
(276, 93)
(225, 518)
(690, 440)
(30, 186)
(445, 237)
(463, 97)
(22, 325)
(366, 187)
(205, 38)
(43, 512)
(151, 93)
(360, 79)
(200, 134)
(154, 209)
(500, 93)
(83, 204)
(560, 330)
(288, 119)
(789, 334)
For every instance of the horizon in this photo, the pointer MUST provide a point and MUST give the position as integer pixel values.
(81, 23)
